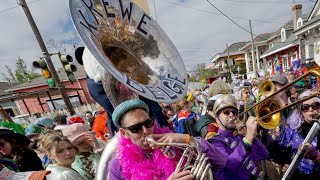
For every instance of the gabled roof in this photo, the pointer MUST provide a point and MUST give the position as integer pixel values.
(4, 86)
(41, 81)
(292, 40)
(305, 17)
(260, 38)
(234, 49)
(288, 25)
(311, 22)
(314, 11)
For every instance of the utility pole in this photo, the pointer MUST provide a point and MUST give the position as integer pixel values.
(228, 59)
(47, 57)
(252, 50)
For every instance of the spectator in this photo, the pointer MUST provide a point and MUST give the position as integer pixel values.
(15, 146)
(88, 115)
(87, 159)
(62, 153)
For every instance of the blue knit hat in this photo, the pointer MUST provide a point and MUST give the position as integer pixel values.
(125, 107)
(44, 122)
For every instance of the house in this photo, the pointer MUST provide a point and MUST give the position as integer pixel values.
(261, 44)
(235, 55)
(282, 53)
(9, 106)
(309, 36)
(35, 96)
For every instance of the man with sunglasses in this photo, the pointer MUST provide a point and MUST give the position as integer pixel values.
(243, 153)
(135, 159)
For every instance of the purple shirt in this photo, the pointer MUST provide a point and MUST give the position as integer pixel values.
(240, 163)
(216, 159)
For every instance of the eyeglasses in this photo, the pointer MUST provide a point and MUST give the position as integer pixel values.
(136, 128)
(314, 106)
(228, 111)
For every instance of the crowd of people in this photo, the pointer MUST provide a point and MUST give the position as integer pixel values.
(212, 120)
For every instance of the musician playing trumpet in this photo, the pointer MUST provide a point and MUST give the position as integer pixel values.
(135, 159)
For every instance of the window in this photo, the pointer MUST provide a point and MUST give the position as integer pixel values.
(283, 34)
(311, 51)
(284, 63)
(294, 56)
(59, 103)
(299, 22)
(270, 45)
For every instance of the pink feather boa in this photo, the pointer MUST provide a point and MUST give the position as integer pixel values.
(135, 166)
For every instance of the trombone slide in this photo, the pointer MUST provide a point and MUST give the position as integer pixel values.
(297, 158)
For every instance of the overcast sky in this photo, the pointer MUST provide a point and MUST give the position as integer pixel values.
(197, 29)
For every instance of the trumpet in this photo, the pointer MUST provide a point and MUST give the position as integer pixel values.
(268, 111)
(201, 169)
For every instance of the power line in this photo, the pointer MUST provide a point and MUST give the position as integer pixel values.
(239, 24)
(8, 9)
(155, 9)
(201, 10)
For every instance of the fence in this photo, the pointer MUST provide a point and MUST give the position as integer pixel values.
(51, 114)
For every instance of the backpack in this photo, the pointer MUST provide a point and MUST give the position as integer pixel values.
(185, 125)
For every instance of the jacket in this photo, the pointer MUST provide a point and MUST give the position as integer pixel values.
(62, 173)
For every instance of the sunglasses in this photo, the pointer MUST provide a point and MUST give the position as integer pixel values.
(228, 111)
(136, 128)
(314, 106)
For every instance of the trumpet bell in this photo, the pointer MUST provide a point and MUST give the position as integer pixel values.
(267, 88)
(267, 107)
(130, 45)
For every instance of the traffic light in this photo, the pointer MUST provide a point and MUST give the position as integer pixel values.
(68, 68)
(45, 71)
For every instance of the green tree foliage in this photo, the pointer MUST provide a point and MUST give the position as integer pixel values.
(21, 73)
(201, 74)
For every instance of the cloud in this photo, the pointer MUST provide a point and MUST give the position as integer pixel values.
(193, 26)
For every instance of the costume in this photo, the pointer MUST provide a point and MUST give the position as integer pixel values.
(132, 162)
(203, 124)
(86, 166)
(293, 138)
(240, 163)
(99, 126)
(62, 173)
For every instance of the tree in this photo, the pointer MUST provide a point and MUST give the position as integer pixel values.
(201, 74)
(22, 74)
(9, 76)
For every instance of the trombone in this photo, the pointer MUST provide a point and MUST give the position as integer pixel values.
(273, 104)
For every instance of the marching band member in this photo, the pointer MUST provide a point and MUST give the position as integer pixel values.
(300, 123)
(135, 158)
(242, 152)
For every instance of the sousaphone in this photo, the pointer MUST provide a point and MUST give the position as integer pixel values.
(132, 47)
(135, 53)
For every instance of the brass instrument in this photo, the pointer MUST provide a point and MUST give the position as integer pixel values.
(268, 111)
(267, 88)
(201, 169)
(136, 55)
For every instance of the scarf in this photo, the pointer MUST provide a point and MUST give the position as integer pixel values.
(137, 166)
(304, 129)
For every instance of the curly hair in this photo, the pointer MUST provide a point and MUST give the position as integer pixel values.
(49, 140)
(219, 87)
